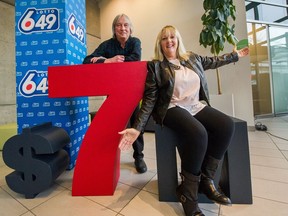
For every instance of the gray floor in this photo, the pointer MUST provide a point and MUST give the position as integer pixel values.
(136, 194)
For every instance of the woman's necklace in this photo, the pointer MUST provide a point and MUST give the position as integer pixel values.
(175, 63)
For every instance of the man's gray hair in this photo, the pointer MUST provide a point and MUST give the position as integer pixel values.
(116, 20)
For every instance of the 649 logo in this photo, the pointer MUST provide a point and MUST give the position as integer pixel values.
(39, 20)
(34, 83)
(76, 29)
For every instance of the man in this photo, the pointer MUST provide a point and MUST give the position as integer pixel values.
(122, 47)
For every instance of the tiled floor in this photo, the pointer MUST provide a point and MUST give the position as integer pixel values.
(136, 194)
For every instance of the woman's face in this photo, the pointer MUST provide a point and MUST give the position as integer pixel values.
(122, 29)
(169, 44)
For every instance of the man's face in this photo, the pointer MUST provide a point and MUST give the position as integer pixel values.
(122, 29)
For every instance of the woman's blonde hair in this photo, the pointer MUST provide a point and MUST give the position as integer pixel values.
(181, 53)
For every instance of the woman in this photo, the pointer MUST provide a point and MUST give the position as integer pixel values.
(175, 92)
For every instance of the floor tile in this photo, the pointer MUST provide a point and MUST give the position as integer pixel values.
(9, 206)
(210, 209)
(282, 146)
(132, 178)
(28, 214)
(127, 162)
(281, 163)
(121, 197)
(270, 190)
(65, 204)
(39, 199)
(145, 204)
(266, 152)
(279, 136)
(270, 173)
(285, 153)
(262, 144)
(4, 170)
(258, 136)
(152, 185)
(65, 179)
(137, 194)
(260, 207)
(1, 159)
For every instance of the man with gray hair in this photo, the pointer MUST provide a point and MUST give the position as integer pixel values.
(122, 47)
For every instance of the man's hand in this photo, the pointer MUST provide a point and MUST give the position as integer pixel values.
(117, 58)
(95, 59)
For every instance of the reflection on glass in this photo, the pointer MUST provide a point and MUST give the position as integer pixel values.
(268, 11)
(279, 64)
(260, 77)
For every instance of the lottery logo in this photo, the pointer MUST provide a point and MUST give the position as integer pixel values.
(76, 29)
(34, 83)
(39, 20)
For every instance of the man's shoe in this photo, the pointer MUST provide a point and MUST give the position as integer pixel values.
(140, 165)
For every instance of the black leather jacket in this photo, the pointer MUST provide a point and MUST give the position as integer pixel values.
(160, 84)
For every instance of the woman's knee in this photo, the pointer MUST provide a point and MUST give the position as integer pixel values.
(198, 139)
(229, 125)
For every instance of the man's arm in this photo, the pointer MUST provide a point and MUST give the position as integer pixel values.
(98, 53)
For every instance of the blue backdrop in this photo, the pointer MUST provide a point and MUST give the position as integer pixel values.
(50, 33)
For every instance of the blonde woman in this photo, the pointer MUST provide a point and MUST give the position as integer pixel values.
(174, 90)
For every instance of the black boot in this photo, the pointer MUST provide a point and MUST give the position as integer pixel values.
(187, 193)
(207, 186)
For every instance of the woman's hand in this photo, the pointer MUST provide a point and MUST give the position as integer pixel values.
(242, 52)
(128, 138)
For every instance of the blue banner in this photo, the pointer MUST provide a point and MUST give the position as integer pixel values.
(50, 33)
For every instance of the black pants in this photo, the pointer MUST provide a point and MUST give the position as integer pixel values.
(138, 145)
(209, 132)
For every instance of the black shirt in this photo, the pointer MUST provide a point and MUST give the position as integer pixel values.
(112, 47)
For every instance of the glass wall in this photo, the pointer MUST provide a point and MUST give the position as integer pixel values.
(260, 69)
(267, 24)
(279, 67)
(273, 11)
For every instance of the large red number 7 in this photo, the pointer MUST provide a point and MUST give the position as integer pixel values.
(97, 169)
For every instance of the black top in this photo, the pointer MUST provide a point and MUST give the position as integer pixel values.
(112, 47)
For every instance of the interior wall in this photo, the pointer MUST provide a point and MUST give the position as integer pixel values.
(93, 37)
(150, 16)
(7, 65)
